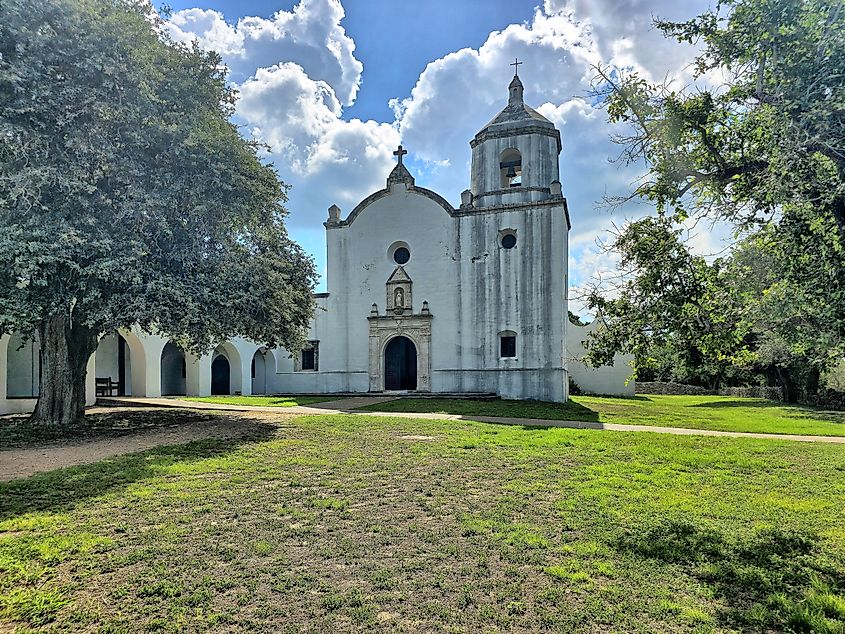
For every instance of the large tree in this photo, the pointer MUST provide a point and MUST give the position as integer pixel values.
(763, 128)
(741, 318)
(667, 303)
(757, 141)
(127, 196)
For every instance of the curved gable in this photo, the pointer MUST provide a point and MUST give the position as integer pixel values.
(382, 193)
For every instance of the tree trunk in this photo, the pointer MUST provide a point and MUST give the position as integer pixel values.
(813, 378)
(790, 393)
(65, 349)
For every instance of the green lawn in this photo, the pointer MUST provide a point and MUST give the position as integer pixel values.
(264, 401)
(724, 413)
(356, 523)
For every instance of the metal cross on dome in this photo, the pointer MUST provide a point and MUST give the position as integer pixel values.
(400, 153)
(516, 64)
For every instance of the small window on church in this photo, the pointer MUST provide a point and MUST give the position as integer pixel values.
(510, 168)
(401, 255)
(509, 241)
(309, 356)
(507, 344)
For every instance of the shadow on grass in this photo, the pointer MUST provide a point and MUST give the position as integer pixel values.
(494, 408)
(750, 402)
(772, 579)
(794, 411)
(616, 397)
(63, 489)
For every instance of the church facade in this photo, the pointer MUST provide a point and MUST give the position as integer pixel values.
(422, 297)
(428, 297)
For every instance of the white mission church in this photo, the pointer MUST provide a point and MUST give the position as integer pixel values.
(422, 297)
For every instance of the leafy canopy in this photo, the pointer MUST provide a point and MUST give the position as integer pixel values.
(763, 129)
(127, 196)
(758, 141)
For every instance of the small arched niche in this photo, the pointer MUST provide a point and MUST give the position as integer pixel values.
(510, 168)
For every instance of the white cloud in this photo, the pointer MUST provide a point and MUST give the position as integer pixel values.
(296, 72)
(624, 33)
(310, 35)
(312, 146)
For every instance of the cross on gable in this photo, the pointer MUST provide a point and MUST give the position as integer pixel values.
(400, 153)
(516, 64)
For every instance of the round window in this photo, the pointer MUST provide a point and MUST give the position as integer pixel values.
(401, 255)
(508, 241)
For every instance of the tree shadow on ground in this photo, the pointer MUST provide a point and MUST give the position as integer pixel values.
(771, 579)
(17, 430)
(761, 403)
(616, 397)
(794, 411)
(63, 489)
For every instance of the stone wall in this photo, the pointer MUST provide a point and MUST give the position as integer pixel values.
(659, 387)
(827, 399)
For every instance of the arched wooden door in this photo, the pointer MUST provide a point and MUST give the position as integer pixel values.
(400, 364)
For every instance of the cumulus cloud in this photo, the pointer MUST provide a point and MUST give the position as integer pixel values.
(296, 72)
(624, 34)
(300, 120)
(310, 35)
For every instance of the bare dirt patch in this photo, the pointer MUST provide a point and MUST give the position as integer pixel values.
(111, 432)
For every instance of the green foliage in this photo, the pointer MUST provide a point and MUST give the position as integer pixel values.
(764, 151)
(575, 319)
(668, 302)
(773, 139)
(126, 194)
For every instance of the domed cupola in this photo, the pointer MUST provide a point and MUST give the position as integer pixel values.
(515, 156)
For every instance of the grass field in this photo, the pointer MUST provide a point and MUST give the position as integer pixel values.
(723, 413)
(356, 523)
(264, 401)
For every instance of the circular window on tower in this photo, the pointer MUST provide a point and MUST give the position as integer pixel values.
(399, 253)
(507, 238)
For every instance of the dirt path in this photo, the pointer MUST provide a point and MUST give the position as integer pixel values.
(26, 461)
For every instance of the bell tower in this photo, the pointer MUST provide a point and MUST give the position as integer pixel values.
(515, 156)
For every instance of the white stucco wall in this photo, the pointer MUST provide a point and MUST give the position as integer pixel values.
(474, 287)
(22, 368)
(612, 380)
(22, 378)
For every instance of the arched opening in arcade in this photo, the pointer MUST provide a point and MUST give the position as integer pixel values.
(173, 370)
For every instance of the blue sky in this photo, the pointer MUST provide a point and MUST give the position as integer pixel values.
(396, 39)
(332, 86)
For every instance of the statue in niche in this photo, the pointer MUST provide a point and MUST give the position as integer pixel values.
(399, 298)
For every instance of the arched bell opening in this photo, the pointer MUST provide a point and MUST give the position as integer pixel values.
(510, 168)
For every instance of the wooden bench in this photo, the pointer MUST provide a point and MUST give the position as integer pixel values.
(106, 387)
